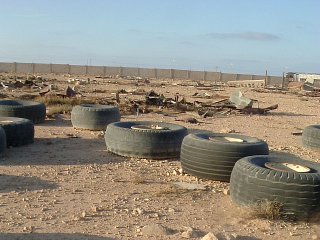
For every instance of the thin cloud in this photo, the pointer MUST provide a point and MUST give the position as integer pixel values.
(251, 36)
(31, 15)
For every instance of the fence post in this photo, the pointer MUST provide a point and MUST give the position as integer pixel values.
(15, 67)
(33, 68)
(205, 75)
(104, 70)
(86, 70)
(172, 73)
(50, 67)
(121, 71)
(156, 73)
(69, 68)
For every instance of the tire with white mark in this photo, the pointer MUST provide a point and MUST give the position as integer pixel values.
(213, 155)
(259, 178)
(153, 140)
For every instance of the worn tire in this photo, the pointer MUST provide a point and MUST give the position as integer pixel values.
(214, 160)
(3, 140)
(154, 144)
(311, 137)
(19, 131)
(94, 117)
(251, 182)
(34, 111)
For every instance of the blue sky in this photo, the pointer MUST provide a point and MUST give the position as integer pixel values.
(243, 36)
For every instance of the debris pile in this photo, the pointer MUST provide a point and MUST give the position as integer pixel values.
(237, 103)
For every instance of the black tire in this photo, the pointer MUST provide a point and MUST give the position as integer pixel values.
(121, 139)
(251, 182)
(34, 111)
(3, 140)
(311, 137)
(94, 117)
(214, 160)
(19, 131)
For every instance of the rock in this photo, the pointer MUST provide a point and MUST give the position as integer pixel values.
(230, 236)
(314, 237)
(137, 211)
(84, 214)
(155, 230)
(228, 130)
(171, 210)
(226, 191)
(190, 186)
(189, 233)
(210, 236)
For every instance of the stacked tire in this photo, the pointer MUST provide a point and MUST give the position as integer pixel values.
(18, 131)
(17, 119)
(34, 111)
(94, 117)
(3, 141)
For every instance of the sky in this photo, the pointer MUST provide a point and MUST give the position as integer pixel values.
(247, 36)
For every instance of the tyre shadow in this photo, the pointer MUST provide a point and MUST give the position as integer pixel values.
(9, 183)
(50, 236)
(61, 151)
(56, 122)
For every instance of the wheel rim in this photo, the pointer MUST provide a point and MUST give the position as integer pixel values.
(226, 139)
(6, 121)
(149, 127)
(287, 167)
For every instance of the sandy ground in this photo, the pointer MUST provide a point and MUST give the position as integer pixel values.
(66, 185)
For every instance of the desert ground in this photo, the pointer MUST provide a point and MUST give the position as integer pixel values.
(66, 185)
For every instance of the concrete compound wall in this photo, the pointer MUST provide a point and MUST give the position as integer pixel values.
(35, 68)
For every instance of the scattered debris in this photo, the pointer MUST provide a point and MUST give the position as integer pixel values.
(240, 101)
(247, 83)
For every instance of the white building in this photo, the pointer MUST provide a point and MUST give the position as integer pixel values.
(311, 78)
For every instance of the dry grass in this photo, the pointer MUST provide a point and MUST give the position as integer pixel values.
(170, 190)
(55, 100)
(271, 210)
(55, 109)
(138, 179)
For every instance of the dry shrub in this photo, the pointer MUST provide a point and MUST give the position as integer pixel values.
(55, 109)
(28, 97)
(56, 104)
(267, 209)
(56, 100)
